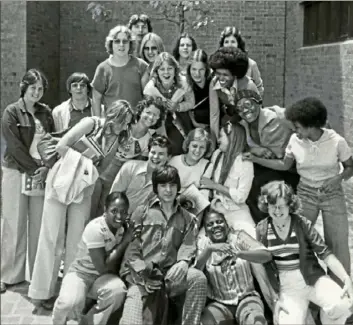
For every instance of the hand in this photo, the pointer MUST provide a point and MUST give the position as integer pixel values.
(172, 106)
(177, 272)
(40, 174)
(207, 183)
(247, 156)
(224, 248)
(152, 285)
(332, 183)
(279, 306)
(262, 152)
(133, 231)
(347, 288)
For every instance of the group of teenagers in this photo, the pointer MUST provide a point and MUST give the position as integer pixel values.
(96, 185)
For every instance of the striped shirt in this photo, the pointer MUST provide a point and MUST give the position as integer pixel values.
(227, 283)
(285, 252)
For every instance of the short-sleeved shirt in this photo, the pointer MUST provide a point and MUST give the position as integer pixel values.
(96, 235)
(320, 160)
(120, 82)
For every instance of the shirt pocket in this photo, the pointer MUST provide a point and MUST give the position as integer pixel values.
(176, 233)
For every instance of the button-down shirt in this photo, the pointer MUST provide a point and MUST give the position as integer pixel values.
(134, 181)
(164, 241)
(18, 128)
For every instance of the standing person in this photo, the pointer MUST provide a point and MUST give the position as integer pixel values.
(182, 51)
(93, 272)
(167, 245)
(232, 177)
(135, 176)
(199, 76)
(119, 76)
(151, 46)
(139, 25)
(166, 83)
(70, 185)
(23, 124)
(294, 272)
(225, 257)
(132, 144)
(78, 106)
(230, 36)
(230, 66)
(319, 154)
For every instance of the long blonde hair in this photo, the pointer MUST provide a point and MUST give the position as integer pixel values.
(118, 112)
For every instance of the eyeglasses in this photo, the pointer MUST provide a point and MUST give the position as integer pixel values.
(136, 18)
(120, 41)
(78, 85)
(152, 48)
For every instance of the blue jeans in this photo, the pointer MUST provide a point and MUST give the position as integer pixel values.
(334, 217)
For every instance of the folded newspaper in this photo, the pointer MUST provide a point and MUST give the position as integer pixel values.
(193, 200)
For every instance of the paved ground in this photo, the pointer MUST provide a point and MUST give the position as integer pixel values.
(17, 309)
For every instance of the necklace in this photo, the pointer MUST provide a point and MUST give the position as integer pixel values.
(186, 163)
(280, 227)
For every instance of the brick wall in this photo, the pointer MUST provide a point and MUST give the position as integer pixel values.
(43, 44)
(261, 23)
(324, 71)
(13, 50)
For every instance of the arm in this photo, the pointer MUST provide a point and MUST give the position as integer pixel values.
(203, 257)
(187, 249)
(99, 87)
(188, 101)
(256, 76)
(336, 267)
(82, 128)
(145, 78)
(96, 102)
(214, 110)
(276, 164)
(347, 172)
(18, 151)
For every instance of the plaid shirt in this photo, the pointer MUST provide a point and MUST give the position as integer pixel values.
(163, 241)
(229, 281)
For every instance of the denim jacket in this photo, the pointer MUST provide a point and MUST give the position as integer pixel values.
(18, 128)
(310, 242)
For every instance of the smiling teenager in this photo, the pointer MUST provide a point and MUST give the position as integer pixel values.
(182, 51)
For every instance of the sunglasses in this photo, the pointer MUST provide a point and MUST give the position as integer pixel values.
(136, 18)
(152, 48)
(120, 41)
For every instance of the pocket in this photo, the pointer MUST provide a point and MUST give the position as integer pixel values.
(177, 235)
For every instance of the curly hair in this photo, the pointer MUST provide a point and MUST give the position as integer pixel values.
(175, 51)
(198, 56)
(166, 57)
(143, 18)
(149, 101)
(232, 59)
(309, 112)
(31, 77)
(78, 77)
(112, 36)
(153, 38)
(232, 31)
(165, 175)
(274, 190)
(199, 134)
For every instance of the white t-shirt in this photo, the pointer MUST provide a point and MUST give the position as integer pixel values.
(38, 134)
(320, 160)
(96, 235)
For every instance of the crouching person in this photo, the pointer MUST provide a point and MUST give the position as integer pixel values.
(167, 247)
(225, 257)
(93, 273)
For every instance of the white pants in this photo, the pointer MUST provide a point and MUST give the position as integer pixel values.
(20, 225)
(296, 296)
(109, 291)
(52, 243)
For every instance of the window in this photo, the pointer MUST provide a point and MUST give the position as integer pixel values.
(327, 21)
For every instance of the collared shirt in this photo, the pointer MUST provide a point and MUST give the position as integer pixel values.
(18, 129)
(134, 181)
(228, 283)
(76, 115)
(164, 241)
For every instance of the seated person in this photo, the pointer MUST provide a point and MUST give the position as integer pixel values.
(294, 272)
(93, 272)
(167, 246)
(224, 254)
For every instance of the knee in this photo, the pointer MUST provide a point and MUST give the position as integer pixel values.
(196, 277)
(66, 303)
(113, 291)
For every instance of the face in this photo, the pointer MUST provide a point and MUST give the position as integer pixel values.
(216, 227)
(197, 149)
(150, 116)
(139, 30)
(157, 157)
(301, 131)
(185, 47)
(279, 211)
(117, 213)
(167, 192)
(248, 109)
(121, 44)
(230, 41)
(225, 77)
(198, 72)
(223, 141)
(150, 51)
(78, 90)
(166, 73)
(34, 92)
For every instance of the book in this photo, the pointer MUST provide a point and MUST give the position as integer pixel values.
(193, 200)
